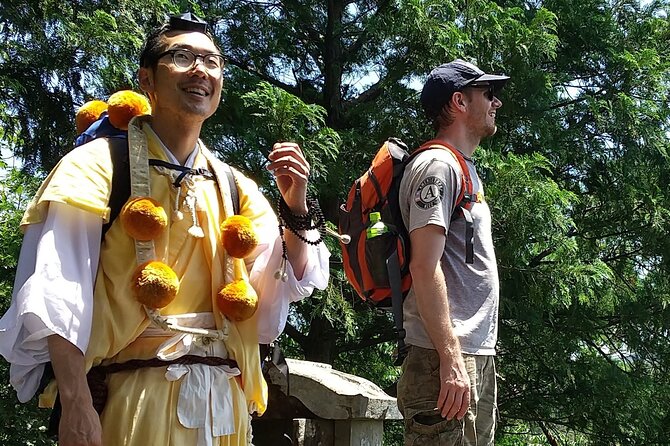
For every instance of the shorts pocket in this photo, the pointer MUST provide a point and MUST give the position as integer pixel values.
(445, 432)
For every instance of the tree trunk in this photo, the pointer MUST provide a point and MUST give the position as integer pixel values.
(319, 345)
(332, 57)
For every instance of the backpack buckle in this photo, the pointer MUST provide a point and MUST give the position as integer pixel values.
(400, 354)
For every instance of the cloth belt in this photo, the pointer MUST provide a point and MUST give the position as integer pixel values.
(97, 384)
(97, 376)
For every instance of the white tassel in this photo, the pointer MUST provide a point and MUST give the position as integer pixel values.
(281, 274)
(225, 327)
(191, 202)
(177, 215)
(196, 231)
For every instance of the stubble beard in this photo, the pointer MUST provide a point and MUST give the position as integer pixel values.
(490, 128)
(198, 110)
(484, 130)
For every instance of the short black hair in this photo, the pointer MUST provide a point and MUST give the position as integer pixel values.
(154, 44)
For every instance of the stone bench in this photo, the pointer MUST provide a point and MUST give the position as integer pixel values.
(320, 406)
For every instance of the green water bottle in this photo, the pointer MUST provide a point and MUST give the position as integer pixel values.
(378, 246)
(377, 226)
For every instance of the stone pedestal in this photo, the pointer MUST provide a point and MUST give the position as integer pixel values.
(319, 406)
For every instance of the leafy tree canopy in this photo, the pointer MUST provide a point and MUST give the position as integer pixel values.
(577, 176)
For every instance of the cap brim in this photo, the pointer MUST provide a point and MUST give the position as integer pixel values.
(491, 78)
(496, 80)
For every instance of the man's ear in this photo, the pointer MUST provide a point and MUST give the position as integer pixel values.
(458, 101)
(146, 78)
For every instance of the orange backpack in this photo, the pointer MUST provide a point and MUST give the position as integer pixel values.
(378, 268)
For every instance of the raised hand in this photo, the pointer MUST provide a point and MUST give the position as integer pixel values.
(291, 170)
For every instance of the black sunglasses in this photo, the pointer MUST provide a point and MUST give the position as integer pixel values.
(490, 92)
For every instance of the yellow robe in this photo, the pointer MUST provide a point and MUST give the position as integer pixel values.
(141, 406)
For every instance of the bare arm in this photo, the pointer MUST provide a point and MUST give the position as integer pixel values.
(430, 290)
(80, 423)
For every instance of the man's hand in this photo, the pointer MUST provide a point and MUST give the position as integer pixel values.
(80, 426)
(79, 423)
(291, 169)
(454, 398)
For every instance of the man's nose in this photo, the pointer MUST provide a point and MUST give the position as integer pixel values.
(199, 65)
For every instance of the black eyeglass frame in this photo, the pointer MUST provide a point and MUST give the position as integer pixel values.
(195, 56)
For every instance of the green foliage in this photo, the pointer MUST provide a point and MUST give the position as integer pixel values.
(577, 176)
(280, 116)
(57, 55)
(22, 423)
(16, 190)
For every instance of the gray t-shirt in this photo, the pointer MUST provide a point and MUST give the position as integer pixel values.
(428, 193)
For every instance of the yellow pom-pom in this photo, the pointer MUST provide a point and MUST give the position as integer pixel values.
(143, 218)
(237, 300)
(238, 236)
(88, 114)
(125, 105)
(155, 284)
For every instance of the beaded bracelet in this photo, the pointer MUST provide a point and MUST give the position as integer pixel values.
(295, 223)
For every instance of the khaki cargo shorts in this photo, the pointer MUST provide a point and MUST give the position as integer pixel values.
(419, 387)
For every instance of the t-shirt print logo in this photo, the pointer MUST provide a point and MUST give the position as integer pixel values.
(429, 193)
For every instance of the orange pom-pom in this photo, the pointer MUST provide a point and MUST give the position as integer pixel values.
(237, 300)
(125, 105)
(238, 236)
(143, 218)
(88, 114)
(155, 284)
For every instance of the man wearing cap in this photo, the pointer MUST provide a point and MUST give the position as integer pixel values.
(181, 373)
(447, 391)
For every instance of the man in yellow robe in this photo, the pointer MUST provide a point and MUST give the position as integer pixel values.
(72, 303)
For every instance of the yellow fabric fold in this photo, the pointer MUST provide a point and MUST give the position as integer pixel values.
(81, 179)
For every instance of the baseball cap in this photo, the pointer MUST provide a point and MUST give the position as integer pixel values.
(451, 77)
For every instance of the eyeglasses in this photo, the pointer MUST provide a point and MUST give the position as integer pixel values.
(490, 92)
(186, 59)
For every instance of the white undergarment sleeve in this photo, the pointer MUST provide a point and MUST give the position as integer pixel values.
(275, 295)
(53, 292)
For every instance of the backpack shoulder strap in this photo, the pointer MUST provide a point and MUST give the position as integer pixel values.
(234, 193)
(118, 151)
(466, 197)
